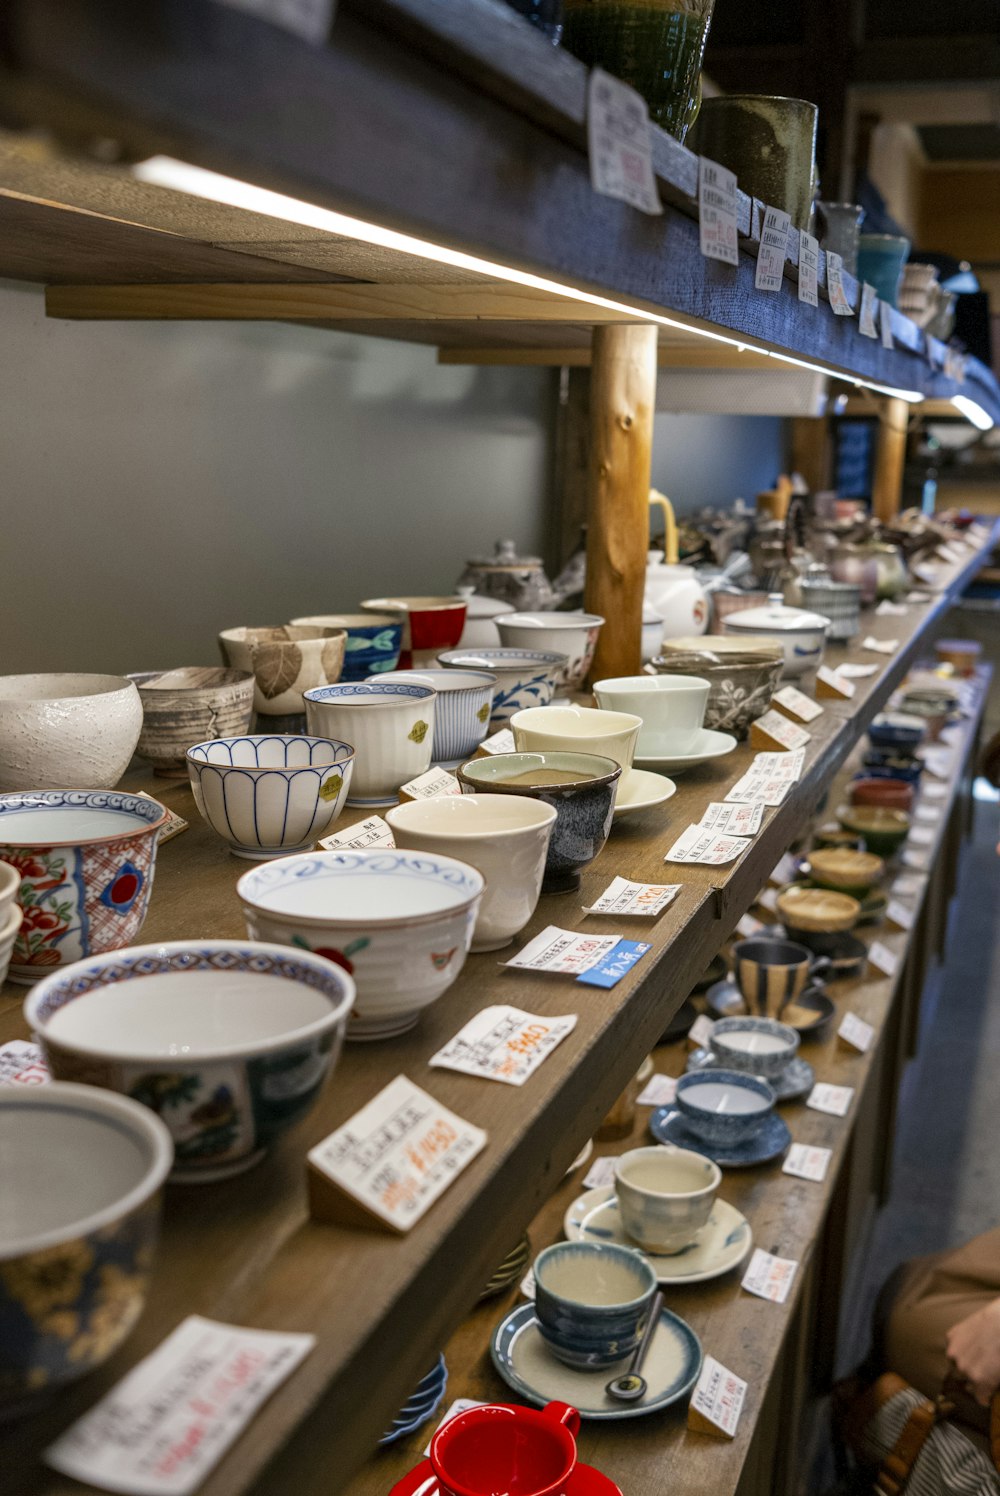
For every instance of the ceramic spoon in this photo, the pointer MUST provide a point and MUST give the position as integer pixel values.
(630, 1386)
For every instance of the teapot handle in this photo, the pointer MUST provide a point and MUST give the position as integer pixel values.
(660, 500)
(562, 1413)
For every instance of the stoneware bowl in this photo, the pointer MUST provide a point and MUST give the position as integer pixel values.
(461, 711)
(285, 661)
(896, 793)
(671, 707)
(186, 706)
(505, 836)
(845, 870)
(580, 787)
(897, 732)
(741, 682)
(577, 729)
(817, 917)
(770, 973)
(373, 642)
(761, 1046)
(570, 634)
(525, 677)
(81, 1176)
(400, 922)
(882, 829)
(883, 763)
(430, 624)
(724, 1106)
(229, 1042)
(592, 1300)
(10, 923)
(67, 729)
(86, 860)
(391, 726)
(271, 794)
(665, 1196)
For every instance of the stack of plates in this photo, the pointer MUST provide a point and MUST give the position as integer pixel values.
(510, 1270)
(422, 1404)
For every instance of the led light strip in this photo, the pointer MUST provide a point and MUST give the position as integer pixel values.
(979, 417)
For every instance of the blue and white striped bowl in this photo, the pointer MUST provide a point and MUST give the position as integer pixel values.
(271, 794)
(525, 677)
(461, 712)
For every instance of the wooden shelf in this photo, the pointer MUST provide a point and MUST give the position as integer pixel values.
(245, 1251)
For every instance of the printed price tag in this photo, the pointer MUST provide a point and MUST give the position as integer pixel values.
(806, 1162)
(912, 858)
(832, 1099)
(161, 1429)
(717, 1400)
(931, 791)
(436, 781)
(600, 1174)
(882, 958)
(373, 832)
(644, 899)
(617, 963)
(499, 742)
(748, 927)
(701, 846)
(562, 952)
(808, 268)
(930, 813)
(769, 1277)
(310, 19)
(700, 1032)
(778, 729)
(23, 1064)
(854, 1031)
(856, 672)
(909, 885)
(717, 212)
(768, 899)
(460, 1405)
(399, 1153)
(937, 761)
(880, 646)
(885, 323)
(770, 789)
(781, 764)
(502, 1043)
(921, 836)
(772, 250)
(900, 914)
(790, 699)
(733, 819)
(866, 312)
(835, 284)
(784, 869)
(621, 147)
(659, 1090)
(886, 609)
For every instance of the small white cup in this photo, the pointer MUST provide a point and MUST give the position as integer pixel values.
(577, 729)
(672, 708)
(391, 726)
(665, 1196)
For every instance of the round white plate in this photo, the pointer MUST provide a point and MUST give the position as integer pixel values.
(708, 745)
(638, 790)
(721, 1244)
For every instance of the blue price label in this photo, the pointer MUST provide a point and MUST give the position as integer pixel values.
(619, 960)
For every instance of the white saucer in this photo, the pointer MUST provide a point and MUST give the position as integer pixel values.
(721, 1244)
(708, 745)
(638, 790)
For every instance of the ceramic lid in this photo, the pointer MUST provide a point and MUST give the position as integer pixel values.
(776, 618)
(847, 865)
(505, 558)
(722, 644)
(819, 909)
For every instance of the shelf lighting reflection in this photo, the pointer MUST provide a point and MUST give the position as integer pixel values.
(980, 418)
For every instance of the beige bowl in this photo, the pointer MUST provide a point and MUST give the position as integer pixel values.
(190, 705)
(285, 661)
(56, 730)
(577, 729)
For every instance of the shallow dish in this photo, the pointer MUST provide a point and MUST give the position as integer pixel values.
(461, 708)
(571, 634)
(229, 1042)
(185, 706)
(67, 729)
(708, 745)
(845, 870)
(373, 642)
(525, 677)
(285, 661)
(81, 1176)
(721, 1244)
(884, 764)
(429, 624)
(400, 922)
(882, 829)
(895, 731)
(741, 681)
(642, 791)
(816, 911)
(391, 726)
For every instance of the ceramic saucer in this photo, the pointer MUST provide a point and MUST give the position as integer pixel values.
(725, 1000)
(797, 1079)
(638, 790)
(721, 1244)
(809, 1013)
(708, 745)
(421, 1406)
(585, 1481)
(526, 1364)
(668, 1125)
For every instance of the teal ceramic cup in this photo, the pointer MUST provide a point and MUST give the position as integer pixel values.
(592, 1300)
(881, 258)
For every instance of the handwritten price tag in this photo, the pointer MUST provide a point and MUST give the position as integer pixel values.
(436, 781)
(784, 869)
(747, 926)
(373, 832)
(563, 953)
(922, 836)
(770, 789)
(783, 765)
(660, 1090)
(768, 899)
(733, 818)
(866, 312)
(855, 1032)
(835, 284)
(23, 1064)
(790, 699)
(769, 1277)
(808, 268)
(776, 727)
(900, 915)
(701, 846)
(855, 672)
(701, 1031)
(717, 212)
(600, 1174)
(505, 1044)
(717, 1400)
(644, 899)
(880, 646)
(772, 250)
(499, 742)
(806, 1162)
(621, 147)
(832, 1099)
(886, 609)
(882, 958)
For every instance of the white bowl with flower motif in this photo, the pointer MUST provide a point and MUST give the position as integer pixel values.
(66, 729)
(400, 922)
(525, 677)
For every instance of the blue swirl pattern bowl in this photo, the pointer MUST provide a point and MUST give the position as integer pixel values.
(525, 677)
(592, 1300)
(724, 1106)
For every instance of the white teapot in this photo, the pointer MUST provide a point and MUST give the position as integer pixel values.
(674, 591)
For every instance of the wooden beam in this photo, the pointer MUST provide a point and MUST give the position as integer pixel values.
(571, 465)
(623, 393)
(890, 459)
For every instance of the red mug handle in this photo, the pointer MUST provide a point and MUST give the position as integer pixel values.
(562, 1413)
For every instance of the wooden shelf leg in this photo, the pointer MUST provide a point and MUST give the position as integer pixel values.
(890, 459)
(622, 398)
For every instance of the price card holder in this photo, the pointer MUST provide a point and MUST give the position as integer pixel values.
(717, 1400)
(772, 250)
(796, 705)
(808, 268)
(833, 687)
(717, 212)
(621, 146)
(777, 733)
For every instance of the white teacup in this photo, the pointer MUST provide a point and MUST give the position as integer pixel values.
(577, 729)
(665, 1196)
(672, 708)
(391, 727)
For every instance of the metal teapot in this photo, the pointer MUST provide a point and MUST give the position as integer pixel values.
(514, 579)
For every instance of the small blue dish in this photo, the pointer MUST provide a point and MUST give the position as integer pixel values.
(729, 1107)
(668, 1126)
(421, 1406)
(894, 730)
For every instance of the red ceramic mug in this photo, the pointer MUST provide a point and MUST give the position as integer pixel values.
(499, 1450)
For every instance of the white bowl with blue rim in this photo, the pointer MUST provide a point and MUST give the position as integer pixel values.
(400, 922)
(592, 1300)
(86, 860)
(228, 1041)
(762, 1046)
(525, 677)
(724, 1106)
(374, 640)
(390, 723)
(270, 794)
(461, 711)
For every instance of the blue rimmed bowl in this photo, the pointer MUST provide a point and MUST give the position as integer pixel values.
(525, 677)
(724, 1106)
(271, 794)
(374, 640)
(391, 725)
(229, 1042)
(897, 732)
(761, 1046)
(461, 711)
(592, 1300)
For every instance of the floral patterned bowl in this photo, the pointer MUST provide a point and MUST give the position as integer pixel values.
(81, 1173)
(525, 677)
(741, 684)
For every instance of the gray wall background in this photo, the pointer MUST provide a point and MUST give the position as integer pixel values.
(162, 481)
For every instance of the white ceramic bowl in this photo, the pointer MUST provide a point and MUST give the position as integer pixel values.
(665, 1196)
(81, 1176)
(10, 882)
(270, 794)
(525, 677)
(577, 729)
(461, 711)
(391, 726)
(66, 729)
(672, 708)
(185, 706)
(286, 661)
(10, 923)
(86, 860)
(505, 836)
(571, 634)
(652, 635)
(481, 613)
(230, 1042)
(400, 922)
(802, 635)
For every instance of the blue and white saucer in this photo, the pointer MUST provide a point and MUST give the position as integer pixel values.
(668, 1125)
(797, 1079)
(721, 1245)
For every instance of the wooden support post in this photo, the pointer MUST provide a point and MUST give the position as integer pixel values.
(623, 391)
(890, 458)
(572, 464)
(809, 451)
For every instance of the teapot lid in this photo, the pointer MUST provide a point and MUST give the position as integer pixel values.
(505, 556)
(776, 617)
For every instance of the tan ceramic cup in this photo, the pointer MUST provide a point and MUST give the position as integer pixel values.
(577, 729)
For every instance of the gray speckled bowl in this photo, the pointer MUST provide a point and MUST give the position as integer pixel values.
(700, 1099)
(762, 1046)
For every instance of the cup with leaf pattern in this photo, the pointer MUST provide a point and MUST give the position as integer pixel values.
(285, 660)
